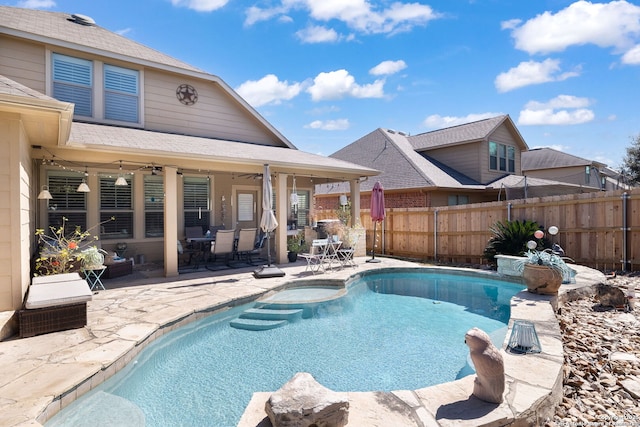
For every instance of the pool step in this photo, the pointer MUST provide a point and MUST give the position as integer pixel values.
(271, 314)
(257, 324)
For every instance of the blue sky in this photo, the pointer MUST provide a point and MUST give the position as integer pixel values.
(327, 72)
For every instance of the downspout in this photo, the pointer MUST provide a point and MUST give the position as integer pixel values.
(509, 211)
(625, 231)
(435, 236)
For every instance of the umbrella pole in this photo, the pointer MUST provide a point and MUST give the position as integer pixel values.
(373, 249)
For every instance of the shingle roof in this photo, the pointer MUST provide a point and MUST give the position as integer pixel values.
(402, 167)
(112, 138)
(468, 132)
(548, 158)
(10, 87)
(57, 28)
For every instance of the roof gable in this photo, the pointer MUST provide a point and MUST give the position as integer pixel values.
(464, 134)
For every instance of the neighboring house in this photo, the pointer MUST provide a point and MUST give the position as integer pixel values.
(82, 105)
(470, 163)
(557, 165)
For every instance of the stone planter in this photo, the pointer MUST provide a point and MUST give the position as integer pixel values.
(542, 279)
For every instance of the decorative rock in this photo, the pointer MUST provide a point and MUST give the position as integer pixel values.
(303, 402)
(489, 382)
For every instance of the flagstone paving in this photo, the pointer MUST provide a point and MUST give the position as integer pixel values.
(41, 375)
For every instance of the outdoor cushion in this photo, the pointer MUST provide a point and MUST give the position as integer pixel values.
(55, 278)
(52, 294)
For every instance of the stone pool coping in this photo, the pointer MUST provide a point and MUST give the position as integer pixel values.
(41, 375)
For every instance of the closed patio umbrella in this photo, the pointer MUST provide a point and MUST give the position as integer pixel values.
(268, 223)
(377, 214)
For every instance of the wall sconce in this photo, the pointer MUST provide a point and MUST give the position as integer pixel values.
(121, 181)
(343, 200)
(83, 187)
(45, 194)
(523, 338)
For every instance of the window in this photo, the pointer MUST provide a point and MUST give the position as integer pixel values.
(115, 202)
(73, 82)
(502, 157)
(120, 94)
(458, 200)
(245, 207)
(301, 217)
(197, 207)
(587, 174)
(153, 206)
(66, 201)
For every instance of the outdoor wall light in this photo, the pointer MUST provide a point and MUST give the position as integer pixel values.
(523, 338)
(45, 194)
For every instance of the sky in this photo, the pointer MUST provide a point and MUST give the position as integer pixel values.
(328, 72)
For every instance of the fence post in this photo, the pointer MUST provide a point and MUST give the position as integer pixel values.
(625, 231)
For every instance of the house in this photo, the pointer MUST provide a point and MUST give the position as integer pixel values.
(102, 127)
(557, 165)
(470, 163)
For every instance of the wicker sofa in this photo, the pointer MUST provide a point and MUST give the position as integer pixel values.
(54, 303)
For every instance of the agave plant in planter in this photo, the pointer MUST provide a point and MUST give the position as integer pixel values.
(544, 271)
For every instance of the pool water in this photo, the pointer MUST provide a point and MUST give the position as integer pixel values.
(390, 332)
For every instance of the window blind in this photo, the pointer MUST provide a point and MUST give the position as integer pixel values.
(73, 82)
(121, 90)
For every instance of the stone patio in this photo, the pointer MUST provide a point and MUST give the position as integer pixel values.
(41, 375)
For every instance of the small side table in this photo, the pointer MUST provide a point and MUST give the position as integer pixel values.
(93, 277)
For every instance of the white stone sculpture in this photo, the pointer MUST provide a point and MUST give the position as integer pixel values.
(489, 365)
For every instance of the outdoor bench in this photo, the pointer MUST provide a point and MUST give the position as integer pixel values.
(54, 303)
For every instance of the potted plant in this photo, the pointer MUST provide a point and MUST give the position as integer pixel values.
(64, 251)
(543, 271)
(294, 246)
(92, 258)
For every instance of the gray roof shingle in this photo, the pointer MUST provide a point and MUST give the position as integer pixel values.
(548, 158)
(467, 132)
(57, 28)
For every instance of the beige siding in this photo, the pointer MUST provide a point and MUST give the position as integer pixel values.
(215, 114)
(15, 213)
(463, 158)
(572, 175)
(23, 62)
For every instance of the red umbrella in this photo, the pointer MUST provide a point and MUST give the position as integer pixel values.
(377, 214)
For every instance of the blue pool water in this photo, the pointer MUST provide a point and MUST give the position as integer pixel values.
(392, 331)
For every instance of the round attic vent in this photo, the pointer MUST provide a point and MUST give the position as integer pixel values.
(82, 19)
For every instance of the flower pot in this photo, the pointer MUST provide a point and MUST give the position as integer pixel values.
(293, 256)
(542, 279)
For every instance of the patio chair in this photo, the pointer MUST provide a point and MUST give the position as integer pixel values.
(345, 255)
(316, 255)
(191, 251)
(246, 242)
(258, 245)
(224, 244)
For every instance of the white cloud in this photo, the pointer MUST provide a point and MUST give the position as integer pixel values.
(510, 24)
(356, 14)
(268, 90)
(200, 5)
(561, 110)
(387, 68)
(615, 24)
(340, 124)
(436, 121)
(256, 14)
(338, 84)
(36, 4)
(532, 72)
(632, 56)
(317, 34)
(124, 31)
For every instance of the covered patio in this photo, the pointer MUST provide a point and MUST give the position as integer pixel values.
(174, 182)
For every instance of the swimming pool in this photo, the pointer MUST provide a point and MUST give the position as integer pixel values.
(350, 344)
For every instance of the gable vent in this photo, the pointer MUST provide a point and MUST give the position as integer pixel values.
(82, 19)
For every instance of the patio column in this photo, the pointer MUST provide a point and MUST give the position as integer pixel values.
(282, 197)
(355, 202)
(170, 221)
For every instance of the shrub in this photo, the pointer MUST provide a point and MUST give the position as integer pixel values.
(510, 238)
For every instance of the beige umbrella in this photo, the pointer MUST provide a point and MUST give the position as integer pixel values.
(268, 223)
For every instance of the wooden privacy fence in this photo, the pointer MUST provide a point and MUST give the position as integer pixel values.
(600, 230)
